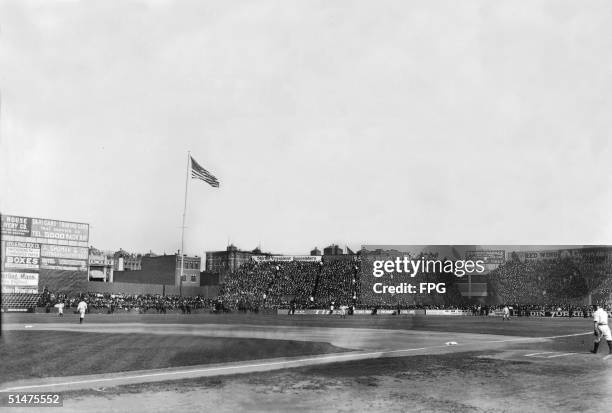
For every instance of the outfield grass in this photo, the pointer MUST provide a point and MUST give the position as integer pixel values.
(35, 354)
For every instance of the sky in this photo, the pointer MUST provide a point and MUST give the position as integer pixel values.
(387, 122)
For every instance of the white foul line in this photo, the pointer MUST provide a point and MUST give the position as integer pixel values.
(539, 338)
(535, 354)
(210, 369)
(559, 355)
(272, 363)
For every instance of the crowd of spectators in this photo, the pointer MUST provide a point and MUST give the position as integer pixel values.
(598, 276)
(255, 286)
(562, 281)
(451, 299)
(338, 284)
(111, 303)
(545, 285)
(297, 284)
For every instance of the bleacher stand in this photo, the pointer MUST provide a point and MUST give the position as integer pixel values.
(14, 301)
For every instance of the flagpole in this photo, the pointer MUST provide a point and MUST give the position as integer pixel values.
(183, 227)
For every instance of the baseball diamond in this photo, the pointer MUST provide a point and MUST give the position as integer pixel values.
(305, 206)
(528, 353)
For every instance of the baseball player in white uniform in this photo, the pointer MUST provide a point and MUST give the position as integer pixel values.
(506, 313)
(601, 329)
(343, 309)
(81, 308)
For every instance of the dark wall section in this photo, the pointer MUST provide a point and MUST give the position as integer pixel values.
(155, 270)
(208, 278)
(62, 281)
(150, 289)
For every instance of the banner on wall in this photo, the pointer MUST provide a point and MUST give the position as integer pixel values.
(64, 251)
(286, 258)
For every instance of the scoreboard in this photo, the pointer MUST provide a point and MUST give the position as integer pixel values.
(29, 245)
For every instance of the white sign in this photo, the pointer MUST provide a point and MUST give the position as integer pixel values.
(286, 258)
(20, 279)
(64, 251)
(19, 290)
(448, 312)
(26, 263)
(60, 230)
(22, 249)
(63, 264)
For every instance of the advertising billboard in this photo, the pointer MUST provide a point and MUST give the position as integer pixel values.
(44, 231)
(24, 279)
(64, 251)
(30, 245)
(18, 226)
(19, 282)
(59, 230)
(21, 255)
(488, 256)
(286, 258)
(63, 264)
(23, 249)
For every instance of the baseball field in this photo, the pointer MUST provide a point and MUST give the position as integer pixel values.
(232, 362)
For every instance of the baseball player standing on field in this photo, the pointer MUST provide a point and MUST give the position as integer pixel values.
(60, 309)
(81, 308)
(600, 319)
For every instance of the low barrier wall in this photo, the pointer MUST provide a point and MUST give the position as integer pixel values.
(208, 291)
(448, 312)
(494, 313)
(321, 311)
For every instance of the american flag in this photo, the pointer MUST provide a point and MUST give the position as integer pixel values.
(197, 172)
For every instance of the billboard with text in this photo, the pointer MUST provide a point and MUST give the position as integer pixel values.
(30, 245)
(286, 258)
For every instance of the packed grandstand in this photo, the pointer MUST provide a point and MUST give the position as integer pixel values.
(559, 284)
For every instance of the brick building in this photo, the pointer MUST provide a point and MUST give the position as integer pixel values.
(228, 261)
(315, 252)
(333, 250)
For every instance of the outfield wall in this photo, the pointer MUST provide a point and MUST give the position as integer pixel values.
(448, 312)
(209, 291)
(496, 313)
(75, 282)
(356, 312)
(62, 281)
